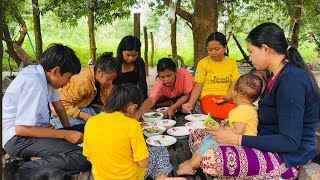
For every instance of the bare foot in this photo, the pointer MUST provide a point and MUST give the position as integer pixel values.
(184, 163)
(186, 170)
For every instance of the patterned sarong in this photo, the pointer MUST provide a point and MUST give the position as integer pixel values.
(240, 162)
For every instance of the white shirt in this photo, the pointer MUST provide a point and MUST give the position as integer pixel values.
(25, 101)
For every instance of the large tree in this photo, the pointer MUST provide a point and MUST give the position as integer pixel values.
(203, 20)
(98, 12)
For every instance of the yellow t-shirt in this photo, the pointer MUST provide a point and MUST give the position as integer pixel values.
(245, 114)
(114, 144)
(216, 76)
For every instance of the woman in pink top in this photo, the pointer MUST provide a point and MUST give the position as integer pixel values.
(172, 89)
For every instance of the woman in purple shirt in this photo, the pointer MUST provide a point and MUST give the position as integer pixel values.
(288, 116)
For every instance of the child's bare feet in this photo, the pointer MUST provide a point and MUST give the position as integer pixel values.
(186, 170)
(184, 163)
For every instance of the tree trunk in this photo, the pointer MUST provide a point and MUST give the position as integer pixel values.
(204, 22)
(145, 32)
(37, 28)
(294, 39)
(174, 36)
(174, 33)
(152, 49)
(91, 35)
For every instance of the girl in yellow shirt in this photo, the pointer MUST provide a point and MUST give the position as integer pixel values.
(215, 77)
(114, 142)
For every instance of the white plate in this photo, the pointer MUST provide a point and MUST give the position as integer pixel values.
(147, 134)
(196, 117)
(196, 124)
(162, 109)
(161, 140)
(149, 117)
(179, 131)
(167, 123)
(145, 123)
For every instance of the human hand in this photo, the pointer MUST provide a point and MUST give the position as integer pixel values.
(85, 116)
(223, 136)
(72, 136)
(222, 100)
(187, 107)
(170, 112)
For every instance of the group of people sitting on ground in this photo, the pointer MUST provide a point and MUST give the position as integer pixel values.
(99, 106)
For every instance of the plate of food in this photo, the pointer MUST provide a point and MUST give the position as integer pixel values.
(145, 123)
(196, 117)
(180, 132)
(167, 123)
(162, 109)
(196, 125)
(152, 116)
(161, 140)
(149, 131)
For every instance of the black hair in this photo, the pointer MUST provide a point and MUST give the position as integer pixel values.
(105, 63)
(166, 64)
(128, 43)
(61, 56)
(273, 36)
(249, 86)
(121, 95)
(218, 36)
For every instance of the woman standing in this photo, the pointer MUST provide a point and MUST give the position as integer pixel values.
(129, 65)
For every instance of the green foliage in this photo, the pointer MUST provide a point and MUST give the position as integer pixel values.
(105, 11)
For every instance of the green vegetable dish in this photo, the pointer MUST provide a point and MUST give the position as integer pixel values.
(155, 115)
(152, 130)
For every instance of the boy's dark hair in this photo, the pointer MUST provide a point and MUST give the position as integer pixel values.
(61, 56)
(121, 95)
(105, 63)
(249, 86)
(218, 36)
(166, 64)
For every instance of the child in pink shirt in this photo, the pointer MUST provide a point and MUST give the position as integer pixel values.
(172, 89)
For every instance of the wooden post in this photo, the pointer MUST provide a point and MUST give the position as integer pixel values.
(152, 49)
(146, 49)
(136, 22)
(92, 40)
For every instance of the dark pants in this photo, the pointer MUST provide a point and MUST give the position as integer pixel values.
(54, 153)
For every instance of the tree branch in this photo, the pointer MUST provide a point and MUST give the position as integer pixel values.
(181, 12)
(23, 30)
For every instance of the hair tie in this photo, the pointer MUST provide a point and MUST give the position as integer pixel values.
(288, 48)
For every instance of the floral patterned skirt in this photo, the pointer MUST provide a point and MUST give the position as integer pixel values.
(240, 162)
